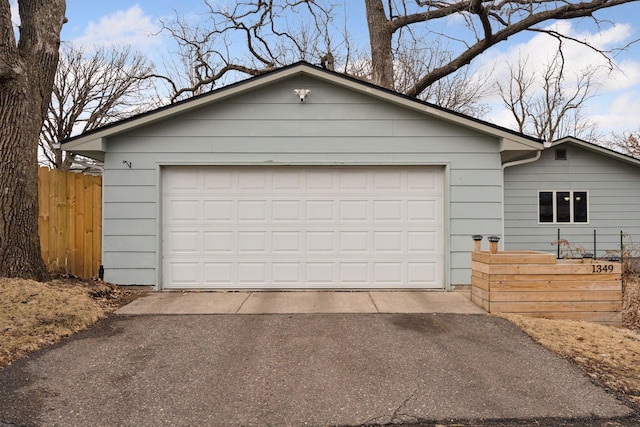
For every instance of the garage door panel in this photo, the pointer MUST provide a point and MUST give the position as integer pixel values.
(219, 274)
(286, 273)
(320, 273)
(252, 210)
(353, 180)
(252, 273)
(354, 274)
(318, 181)
(354, 242)
(286, 242)
(184, 211)
(252, 181)
(302, 227)
(422, 272)
(388, 274)
(286, 210)
(218, 180)
(219, 210)
(320, 210)
(388, 242)
(184, 273)
(423, 241)
(183, 242)
(219, 242)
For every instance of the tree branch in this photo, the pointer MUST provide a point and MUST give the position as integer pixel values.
(568, 11)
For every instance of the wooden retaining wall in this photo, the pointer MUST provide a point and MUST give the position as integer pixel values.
(537, 284)
(70, 221)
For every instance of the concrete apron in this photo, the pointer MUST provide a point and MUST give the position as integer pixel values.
(266, 302)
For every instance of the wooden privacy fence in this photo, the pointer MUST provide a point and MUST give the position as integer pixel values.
(70, 221)
(539, 285)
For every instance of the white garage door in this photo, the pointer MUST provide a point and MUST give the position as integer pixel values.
(302, 227)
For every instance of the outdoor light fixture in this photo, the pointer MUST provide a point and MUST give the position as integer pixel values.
(302, 93)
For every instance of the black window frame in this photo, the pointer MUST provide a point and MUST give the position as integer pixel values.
(566, 207)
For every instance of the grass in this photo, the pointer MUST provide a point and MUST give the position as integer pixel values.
(607, 354)
(34, 315)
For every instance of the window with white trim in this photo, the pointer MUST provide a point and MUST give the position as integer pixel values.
(566, 207)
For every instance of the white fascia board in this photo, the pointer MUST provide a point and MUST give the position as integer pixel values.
(510, 143)
(91, 143)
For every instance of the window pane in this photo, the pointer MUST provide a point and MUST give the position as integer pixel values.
(579, 206)
(563, 206)
(546, 206)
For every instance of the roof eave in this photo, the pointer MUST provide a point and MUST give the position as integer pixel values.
(593, 147)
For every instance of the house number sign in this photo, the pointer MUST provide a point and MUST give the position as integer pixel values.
(599, 268)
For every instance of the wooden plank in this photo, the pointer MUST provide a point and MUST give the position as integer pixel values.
(44, 223)
(79, 227)
(555, 278)
(556, 296)
(87, 243)
(514, 257)
(72, 249)
(547, 285)
(97, 223)
(522, 258)
(480, 293)
(556, 269)
(480, 267)
(480, 302)
(480, 283)
(482, 257)
(61, 220)
(533, 307)
(53, 222)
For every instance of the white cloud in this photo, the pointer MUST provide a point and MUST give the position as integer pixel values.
(620, 113)
(123, 27)
(539, 50)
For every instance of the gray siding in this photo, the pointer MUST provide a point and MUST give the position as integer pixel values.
(271, 126)
(614, 200)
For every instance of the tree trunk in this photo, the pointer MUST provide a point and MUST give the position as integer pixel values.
(380, 37)
(25, 92)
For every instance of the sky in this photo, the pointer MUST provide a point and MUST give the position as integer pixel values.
(616, 107)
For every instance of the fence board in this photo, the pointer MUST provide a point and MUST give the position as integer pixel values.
(70, 222)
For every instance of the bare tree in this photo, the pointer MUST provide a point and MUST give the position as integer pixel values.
(93, 88)
(627, 143)
(27, 69)
(250, 39)
(255, 36)
(549, 105)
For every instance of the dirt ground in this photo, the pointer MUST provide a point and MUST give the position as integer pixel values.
(35, 315)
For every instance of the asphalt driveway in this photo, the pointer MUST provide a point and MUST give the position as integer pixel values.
(295, 370)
